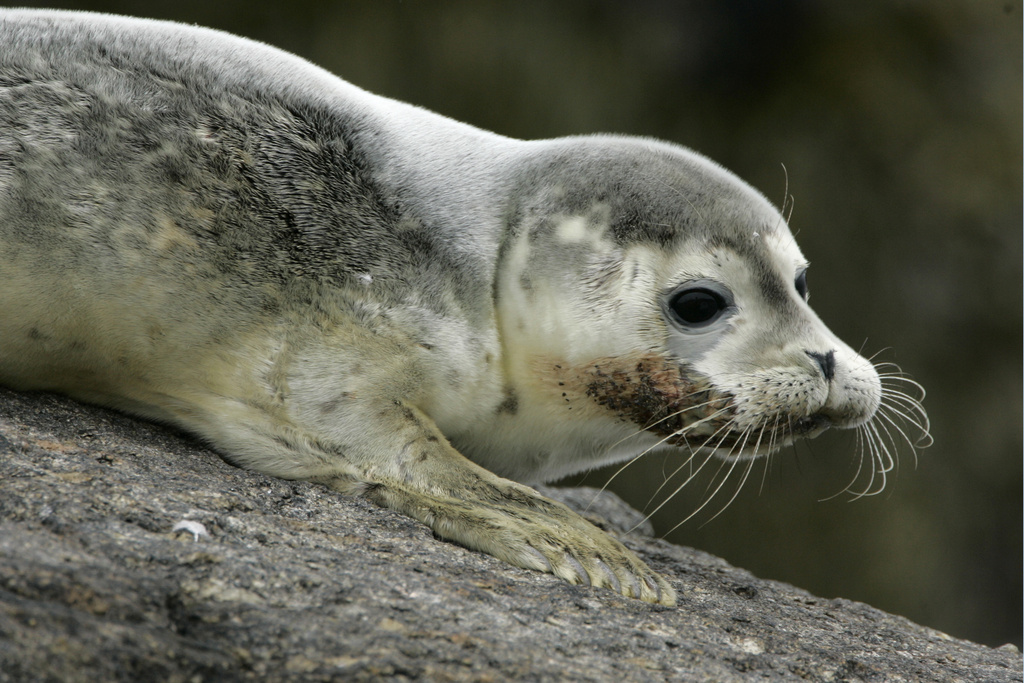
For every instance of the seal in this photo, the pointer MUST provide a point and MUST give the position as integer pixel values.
(332, 286)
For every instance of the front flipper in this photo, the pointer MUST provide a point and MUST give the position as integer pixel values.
(519, 526)
(467, 504)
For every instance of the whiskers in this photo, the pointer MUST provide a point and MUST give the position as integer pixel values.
(763, 443)
(718, 451)
(673, 437)
(900, 419)
(740, 455)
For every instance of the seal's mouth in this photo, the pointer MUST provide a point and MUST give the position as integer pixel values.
(811, 426)
(755, 443)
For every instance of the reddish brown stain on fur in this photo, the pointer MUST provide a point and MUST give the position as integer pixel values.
(656, 394)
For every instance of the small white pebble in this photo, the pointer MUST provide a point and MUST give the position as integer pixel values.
(194, 528)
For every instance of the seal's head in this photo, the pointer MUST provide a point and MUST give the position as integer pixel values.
(648, 297)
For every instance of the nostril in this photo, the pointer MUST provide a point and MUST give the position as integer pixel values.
(825, 361)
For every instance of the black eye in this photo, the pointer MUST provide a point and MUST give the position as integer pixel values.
(801, 284)
(697, 307)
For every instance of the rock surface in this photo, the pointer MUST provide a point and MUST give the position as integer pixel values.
(279, 580)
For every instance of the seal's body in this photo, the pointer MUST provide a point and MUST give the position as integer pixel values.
(329, 285)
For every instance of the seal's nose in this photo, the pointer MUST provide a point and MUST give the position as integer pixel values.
(825, 361)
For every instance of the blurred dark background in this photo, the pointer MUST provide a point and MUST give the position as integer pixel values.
(899, 124)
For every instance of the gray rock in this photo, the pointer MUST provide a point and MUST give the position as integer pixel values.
(290, 581)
